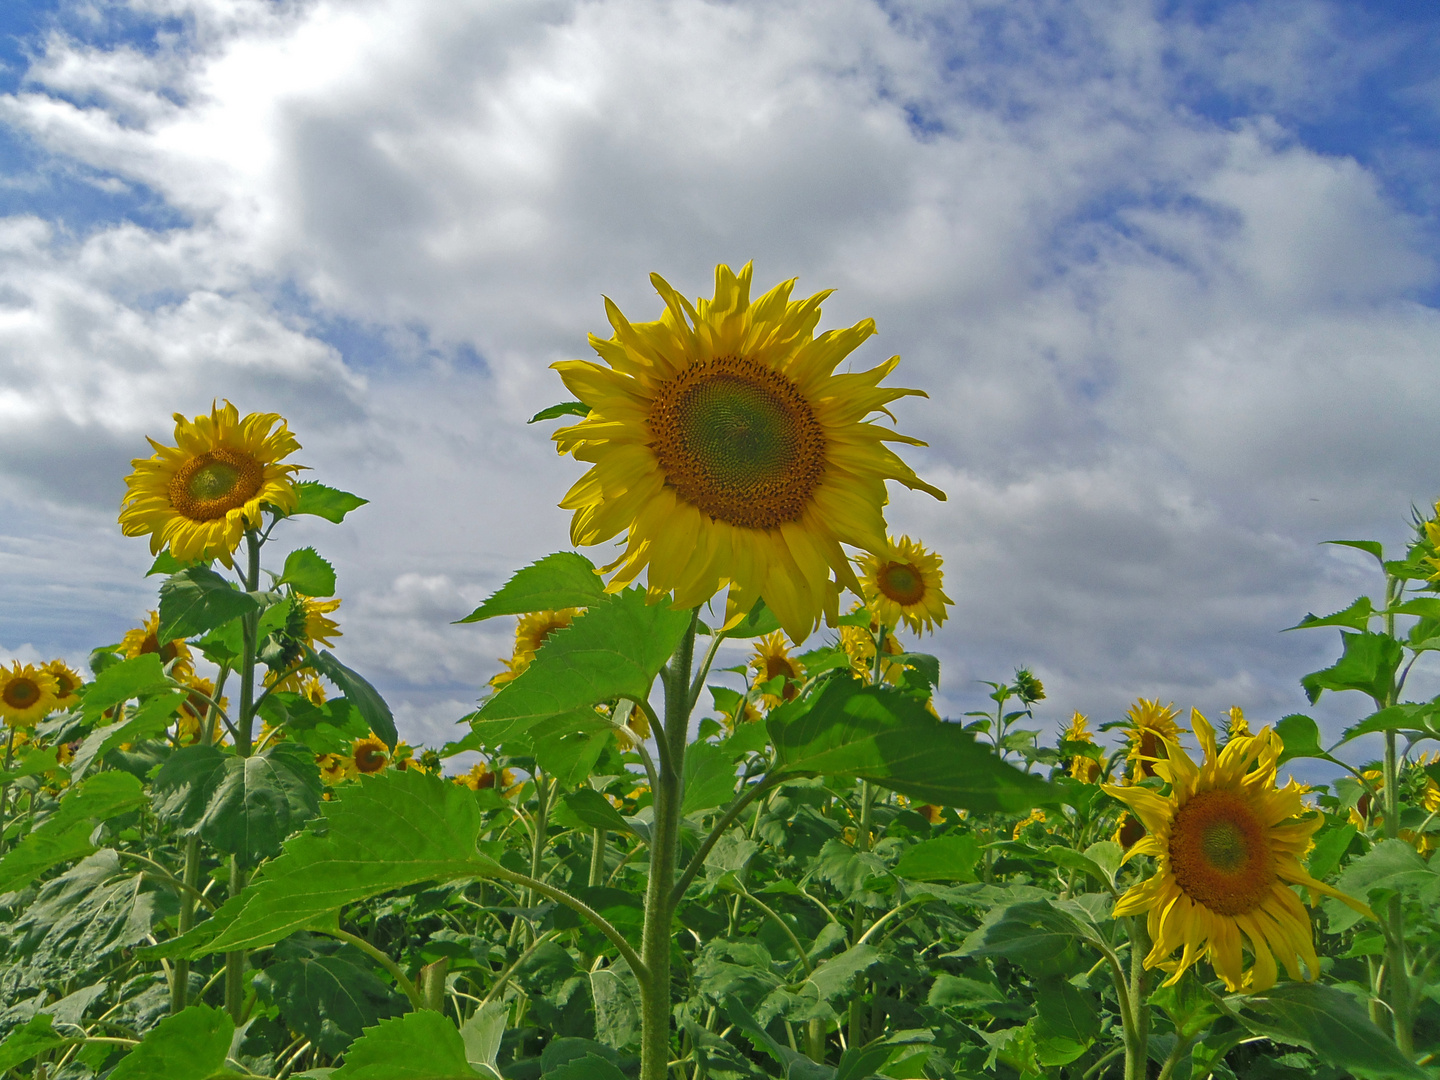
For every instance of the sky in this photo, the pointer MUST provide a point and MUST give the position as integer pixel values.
(1167, 272)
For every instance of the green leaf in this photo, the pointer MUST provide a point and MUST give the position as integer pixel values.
(191, 1045)
(309, 573)
(326, 502)
(758, 623)
(332, 998)
(1391, 866)
(951, 857)
(617, 647)
(387, 831)
(833, 977)
(65, 835)
(709, 778)
(242, 806)
(1074, 860)
(41, 759)
(358, 692)
(589, 1067)
(483, 1033)
(1034, 934)
(141, 675)
(1330, 1023)
(1427, 607)
(1357, 617)
(878, 734)
(167, 564)
(1330, 847)
(420, 1045)
(198, 600)
(957, 990)
(590, 810)
(36, 1036)
(616, 995)
(563, 580)
(565, 408)
(1065, 1012)
(1300, 737)
(1404, 717)
(1368, 664)
(1371, 546)
(148, 720)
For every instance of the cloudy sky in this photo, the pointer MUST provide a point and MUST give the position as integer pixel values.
(1167, 271)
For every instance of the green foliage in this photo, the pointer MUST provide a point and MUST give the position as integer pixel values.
(328, 992)
(1329, 1022)
(418, 1046)
(1368, 664)
(326, 502)
(191, 1045)
(197, 600)
(65, 835)
(309, 573)
(358, 692)
(563, 580)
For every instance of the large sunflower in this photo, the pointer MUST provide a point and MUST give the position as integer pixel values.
(1228, 845)
(28, 694)
(902, 584)
(726, 446)
(199, 496)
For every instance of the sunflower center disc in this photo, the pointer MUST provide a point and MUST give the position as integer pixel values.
(21, 694)
(739, 442)
(213, 483)
(902, 583)
(1219, 853)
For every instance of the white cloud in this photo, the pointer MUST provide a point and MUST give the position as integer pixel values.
(1166, 356)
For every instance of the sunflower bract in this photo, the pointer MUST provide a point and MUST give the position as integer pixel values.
(726, 447)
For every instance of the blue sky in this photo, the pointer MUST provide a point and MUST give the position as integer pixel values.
(1168, 272)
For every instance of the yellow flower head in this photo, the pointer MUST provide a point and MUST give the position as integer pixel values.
(28, 694)
(191, 718)
(772, 657)
(335, 767)
(481, 777)
(370, 755)
(146, 639)
(199, 496)
(1037, 817)
(1152, 726)
(1228, 846)
(67, 681)
(313, 690)
(902, 584)
(1079, 729)
(1235, 722)
(726, 446)
(531, 632)
(1085, 769)
(859, 645)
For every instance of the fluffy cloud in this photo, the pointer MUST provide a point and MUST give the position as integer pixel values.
(1166, 353)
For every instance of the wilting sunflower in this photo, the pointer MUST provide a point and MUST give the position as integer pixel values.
(771, 659)
(316, 628)
(67, 681)
(146, 639)
(28, 694)
(1151, 727)
(1228, 845)
(199, 496)
(370, 755)
(731, 453)
(531, 632)
(902, 584)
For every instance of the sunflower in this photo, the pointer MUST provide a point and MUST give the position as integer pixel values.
(28, 694)
(1079, 729)
(531, 632)
(1152, 727)
(199, 496)
(1235, 722)
(902, 584)
(858, 644)
(146, 639)
(318, 629)
(480, 777)
(335, 767)
(190, 720)
(370, 755)
(771, 660)
(67, 681)
(1128, 831)
(725, 445)
(1228, 845)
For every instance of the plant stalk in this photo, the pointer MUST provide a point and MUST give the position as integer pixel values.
(1137, 1031)
(249, 627)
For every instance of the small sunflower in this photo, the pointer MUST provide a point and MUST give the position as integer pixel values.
(744, 712)
(1081, 767)
(1079, 729)
(146, 639)
(190, 720)
(1151, 728)
(482, 777)
(902, 583)
(1228, 845)
(726, 447)
(772, 659)
(858, 644)
(28, 694)
(318, 629)
(67, 681)
(370, 755)
(531, 632)
(313, 690)
(1235, 722)
(199, 496)
(1036, 817)
(335, 767)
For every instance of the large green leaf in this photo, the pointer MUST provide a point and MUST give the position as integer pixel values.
(65, 835)
(309, 572)
(884, 736)
(586, 808)
(1034, 934)
(420, 1045)
(710, 778)
(951, 857)
(387, 831)
(133, 678)
(358, 692)
(1357, 617)
(1391, 866)
(326, 502)
(1300, 738)
(242, 806)
(617, 647)
(40, 759)
(198, 600)
(1407, 716)
(329, 993)
(1368, 664)
(1330, 1023)
(149, 719)
(563, 580)
(191, 1045)
(36, 1036)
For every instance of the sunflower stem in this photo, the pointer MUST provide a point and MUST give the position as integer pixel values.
(1397, 967)
(249, 626)
(5, 788)
(1137, 1031)
(659, 903)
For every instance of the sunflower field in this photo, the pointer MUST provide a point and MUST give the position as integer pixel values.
(217, 858)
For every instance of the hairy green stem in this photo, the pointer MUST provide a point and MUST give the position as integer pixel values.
(249, 626)
(417, 1000)
(1397, 965)
(1137, 1032)
(180, 976)
(597, 859)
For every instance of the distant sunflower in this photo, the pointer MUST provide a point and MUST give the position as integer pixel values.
(1079, 729)
(902, 583)
(336, 767)
(1151, 727)
(531, 632)
(858, 643)
(772, 659)
(317, 628)
(1228, 846)
(369, 755)
(67, 681)
(727, 448)
(146, 639)
(1081, 767)
(199, 496)
(28, 694)
(1235, 722)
